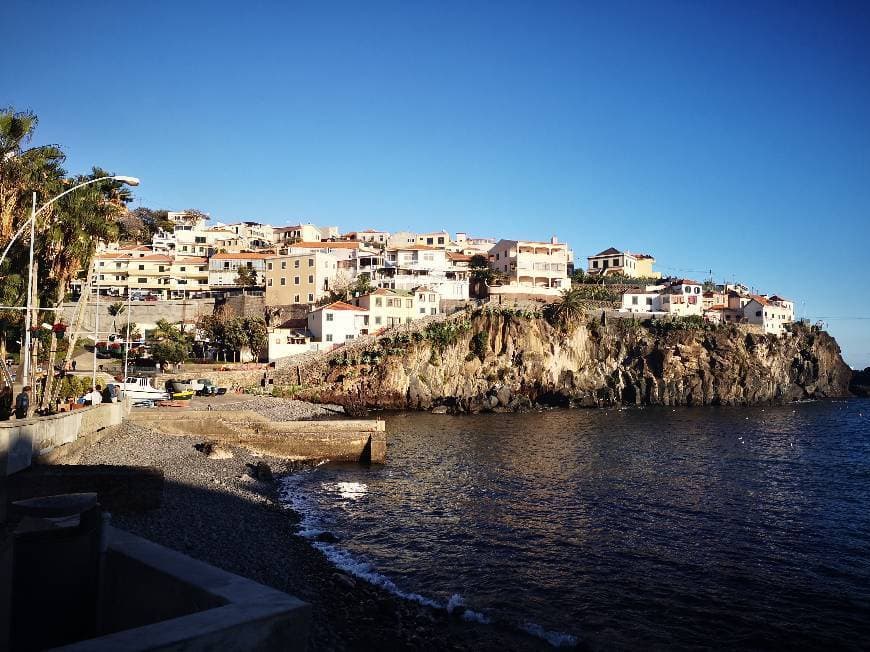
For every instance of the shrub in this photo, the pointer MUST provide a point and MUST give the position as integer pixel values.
(479, 344)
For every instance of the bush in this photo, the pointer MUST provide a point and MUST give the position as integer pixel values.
(479, 344)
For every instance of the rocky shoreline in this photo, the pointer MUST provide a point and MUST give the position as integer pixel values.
(221, 506)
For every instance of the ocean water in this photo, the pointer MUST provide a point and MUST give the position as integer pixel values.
(653, 528)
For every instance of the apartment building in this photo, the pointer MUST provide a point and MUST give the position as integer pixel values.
(299, 278)
(223, 268)
(532, 265)
(622, 263)
(188, 277)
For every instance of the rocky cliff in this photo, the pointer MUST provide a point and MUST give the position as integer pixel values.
(507, 361)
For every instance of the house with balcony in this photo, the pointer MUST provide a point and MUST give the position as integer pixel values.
(223, 268)
(409, 266)
(369, 236)
(188, 277)
(308, 232)
(289, 338)
(642, 300)
(682, 298)
(531, 267)
(612, 262)
(387, 308)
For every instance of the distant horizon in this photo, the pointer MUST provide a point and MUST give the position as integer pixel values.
(719, 138)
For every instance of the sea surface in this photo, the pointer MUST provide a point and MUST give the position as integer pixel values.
(650, 528)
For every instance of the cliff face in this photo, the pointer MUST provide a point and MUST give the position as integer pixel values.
(507, 362)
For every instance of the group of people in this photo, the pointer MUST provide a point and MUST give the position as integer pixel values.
(97, 395)
(22, 403)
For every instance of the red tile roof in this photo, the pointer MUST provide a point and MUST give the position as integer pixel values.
(242, 256)
(353, 244)
(341, 305)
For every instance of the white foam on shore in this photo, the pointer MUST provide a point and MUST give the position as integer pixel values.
(556, 639)
(342, 559)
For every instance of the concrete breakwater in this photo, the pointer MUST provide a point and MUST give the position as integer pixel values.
(334, 440)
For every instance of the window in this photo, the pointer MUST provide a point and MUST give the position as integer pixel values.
(330, 317)
(429, 241)
(269, 266)
(269, 282)
(348, 336)
(605, 264)
(310, 297)
(226, 265)
(758, 313)
(283, 281)
(378, 302)
(310, 278)
(141, 280)
(184, 269)
(311, 262)
(634, 301)
(422, 311)
(295, 280)
(102, 263)
(434, 311)
(431, 298)
(616, 262)
(441, 240)
(141, 267)
(296, 264)
(377, 321)
(594, 264)
(283, 264)
(649, 301)
(409, 303)
(295, 298)
(329, 337)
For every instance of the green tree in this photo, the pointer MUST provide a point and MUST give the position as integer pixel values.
(246, 276)
(115, 310)
(170, 351)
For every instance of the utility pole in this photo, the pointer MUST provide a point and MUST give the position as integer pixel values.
(28, 319)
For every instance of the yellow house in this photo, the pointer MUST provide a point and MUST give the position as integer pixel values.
(612, 262)
(388, 308)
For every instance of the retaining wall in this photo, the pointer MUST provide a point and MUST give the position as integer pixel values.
(22, 439)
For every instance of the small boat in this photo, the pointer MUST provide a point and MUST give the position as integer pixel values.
(139, 388)
(184, 395)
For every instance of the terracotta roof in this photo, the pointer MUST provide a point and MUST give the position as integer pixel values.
(776, 297)
(760, 299)
(241, 256)
(685, 281)
(341, 305)
(457, 257)
(607, 252)
(112, 255)
(192, 259)
(325, 245)
(294, 324)
(413, 247)
(156, 258)
(718, 307)
(383, 292)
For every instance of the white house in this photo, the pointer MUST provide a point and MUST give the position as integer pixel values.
(290, 338)
(338, 323)
(223, 268)
(771, 315)
(683, 298)
(646, 299)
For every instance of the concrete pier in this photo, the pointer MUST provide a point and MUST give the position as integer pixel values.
(335, 440)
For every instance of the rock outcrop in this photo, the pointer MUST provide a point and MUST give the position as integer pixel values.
(499, 361)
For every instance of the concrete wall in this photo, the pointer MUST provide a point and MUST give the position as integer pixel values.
(154, 598)
(142, 312)
(22, 439)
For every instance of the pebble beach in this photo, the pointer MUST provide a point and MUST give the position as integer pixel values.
(223, 509)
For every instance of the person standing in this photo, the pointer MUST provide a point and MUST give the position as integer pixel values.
(5, 403)
(22, 403)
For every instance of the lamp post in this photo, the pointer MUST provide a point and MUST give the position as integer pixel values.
(31, 282)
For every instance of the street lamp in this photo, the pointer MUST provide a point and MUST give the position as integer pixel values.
(130, 181)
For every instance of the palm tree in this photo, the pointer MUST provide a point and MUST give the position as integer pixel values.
(566, 313)
(116, 309)
(23, 170)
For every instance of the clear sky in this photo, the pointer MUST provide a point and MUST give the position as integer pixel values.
(732, 136)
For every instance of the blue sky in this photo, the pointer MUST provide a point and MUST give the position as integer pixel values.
(724, 136)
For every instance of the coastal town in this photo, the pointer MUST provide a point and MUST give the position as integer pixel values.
(322, 288)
